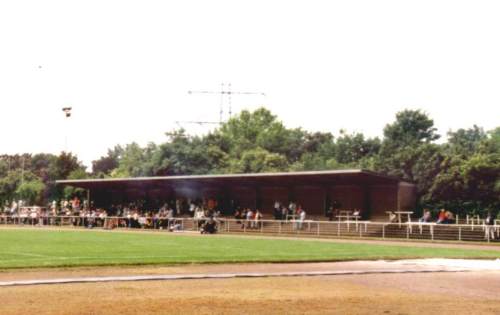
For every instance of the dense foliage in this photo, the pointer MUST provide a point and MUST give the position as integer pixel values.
(461, 173)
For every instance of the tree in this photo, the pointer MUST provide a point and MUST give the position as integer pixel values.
(70, 191)
(412, 127)
(259, 160)
(481, 174)
(132, 162)
(65, 164)
(31, 191)
(260, 129)
(106, 164)
(465, 142)
(183, 155)
(351, 148)
(400, 150)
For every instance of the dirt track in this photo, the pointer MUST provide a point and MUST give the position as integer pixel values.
(458, 293)
(421, 293)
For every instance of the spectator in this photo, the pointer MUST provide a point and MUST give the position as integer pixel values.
(277, 211)
(441, 217)
(301, 218)
(176, 226)
(249, 217)
(257, 219)
(426, 217)
(199, 216)
(237, 216)
(284, 212)
(489, 231)
(392, 216)
(450, 217)
(209, 227)
(170, 216)
(330, 213)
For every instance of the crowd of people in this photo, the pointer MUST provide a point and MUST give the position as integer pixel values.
(204, 212)
(283, 212)
(132, 215)
(443, 217)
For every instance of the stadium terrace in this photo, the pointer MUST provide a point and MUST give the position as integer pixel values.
(369, 193)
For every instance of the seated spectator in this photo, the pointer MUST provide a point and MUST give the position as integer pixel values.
(209, 227)
(426, 217)
(441, 217)
(392, 216)
(450, 217)
(176, 226)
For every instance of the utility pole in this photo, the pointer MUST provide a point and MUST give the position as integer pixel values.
(225, 92)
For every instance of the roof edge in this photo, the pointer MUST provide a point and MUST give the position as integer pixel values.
(220, 176)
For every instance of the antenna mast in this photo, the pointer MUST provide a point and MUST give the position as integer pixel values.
(225, 92)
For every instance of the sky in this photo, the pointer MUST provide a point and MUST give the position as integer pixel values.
(125, 67)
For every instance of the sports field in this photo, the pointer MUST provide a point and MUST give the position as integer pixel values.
(23, 248)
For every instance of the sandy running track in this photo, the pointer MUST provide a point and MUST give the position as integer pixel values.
(436, 293)
(475, 291)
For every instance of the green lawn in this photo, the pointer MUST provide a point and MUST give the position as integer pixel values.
(49, 248)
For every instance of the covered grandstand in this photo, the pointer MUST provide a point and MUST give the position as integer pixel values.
(373, 194)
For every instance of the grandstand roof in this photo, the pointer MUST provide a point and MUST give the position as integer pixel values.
(341, 177)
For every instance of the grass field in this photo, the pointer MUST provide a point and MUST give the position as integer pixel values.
(48, 248)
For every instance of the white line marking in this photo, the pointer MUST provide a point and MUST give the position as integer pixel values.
(218, 276)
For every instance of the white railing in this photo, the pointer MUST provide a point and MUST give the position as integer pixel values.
(306, 228)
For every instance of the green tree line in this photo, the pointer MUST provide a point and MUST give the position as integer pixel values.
(460, 172)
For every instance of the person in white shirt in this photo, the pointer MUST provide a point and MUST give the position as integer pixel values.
(199, 216)
(301, 219)
(257, 219)
(249, 217)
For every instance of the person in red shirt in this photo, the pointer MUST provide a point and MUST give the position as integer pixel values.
(441, 216)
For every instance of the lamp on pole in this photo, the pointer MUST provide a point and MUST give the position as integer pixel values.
(67, 114)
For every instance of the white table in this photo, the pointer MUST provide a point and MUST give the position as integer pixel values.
(399, 213)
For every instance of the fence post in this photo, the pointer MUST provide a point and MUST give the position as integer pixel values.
(459, 233)
(383, 231)
(338, 228)
(279, 230)
(407, 231)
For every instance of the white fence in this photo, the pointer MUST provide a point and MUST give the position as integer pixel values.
(307, 228)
